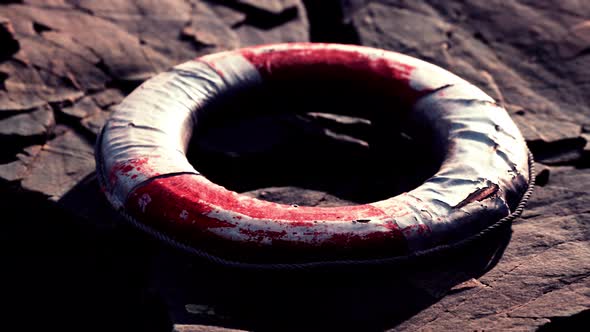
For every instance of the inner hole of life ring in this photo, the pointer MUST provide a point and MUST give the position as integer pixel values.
(314, 143)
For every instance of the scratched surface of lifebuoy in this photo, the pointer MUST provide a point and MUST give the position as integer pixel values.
(142, 164)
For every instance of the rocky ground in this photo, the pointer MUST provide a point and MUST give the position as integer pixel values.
(70, 263)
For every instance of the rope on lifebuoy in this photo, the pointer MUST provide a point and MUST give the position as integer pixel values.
(484, 182)
(442, 249)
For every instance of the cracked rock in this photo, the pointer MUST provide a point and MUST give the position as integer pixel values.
(38, 122)
(65, 63)
(58, 166)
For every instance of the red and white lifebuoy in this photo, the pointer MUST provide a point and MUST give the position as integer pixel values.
(145, 174)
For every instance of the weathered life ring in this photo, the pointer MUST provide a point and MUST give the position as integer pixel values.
(145, 174)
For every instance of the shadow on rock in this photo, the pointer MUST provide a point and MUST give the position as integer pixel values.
(348, 298)
(71, 269)
(80, 264)
(88, 268)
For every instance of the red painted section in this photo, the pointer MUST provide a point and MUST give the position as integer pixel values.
(192, 207)
(130, 168)
(200, 189)
(420, 229)
(300, 62)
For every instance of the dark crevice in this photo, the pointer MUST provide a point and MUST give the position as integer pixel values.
(3, 77)
(583, 52)
(267, 22)
(584, 161)
(327, 23)
(68, 82)
(13, 145)
(258, 17)
(542, 178)
(57, 105)
(9, 44)
(103, 67)
(5, 114)
(568, 151)
(125, 86)
(40, 28)
(75, 123)
(477, 35)
(571, 323)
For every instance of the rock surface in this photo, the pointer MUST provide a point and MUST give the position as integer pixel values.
(65, 63)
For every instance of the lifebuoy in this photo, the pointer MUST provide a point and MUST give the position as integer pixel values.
(145, 174)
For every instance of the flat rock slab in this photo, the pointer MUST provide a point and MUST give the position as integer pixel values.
(65, 63)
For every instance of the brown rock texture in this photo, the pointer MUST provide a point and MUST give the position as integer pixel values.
(71, 263)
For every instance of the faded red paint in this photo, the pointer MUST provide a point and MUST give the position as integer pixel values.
(261, 234)
(419, 229)
(201, 189)
(165, 206)
(204, 205)
(210, 61)
(392, 225)
(384, 74)
(131, 170)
